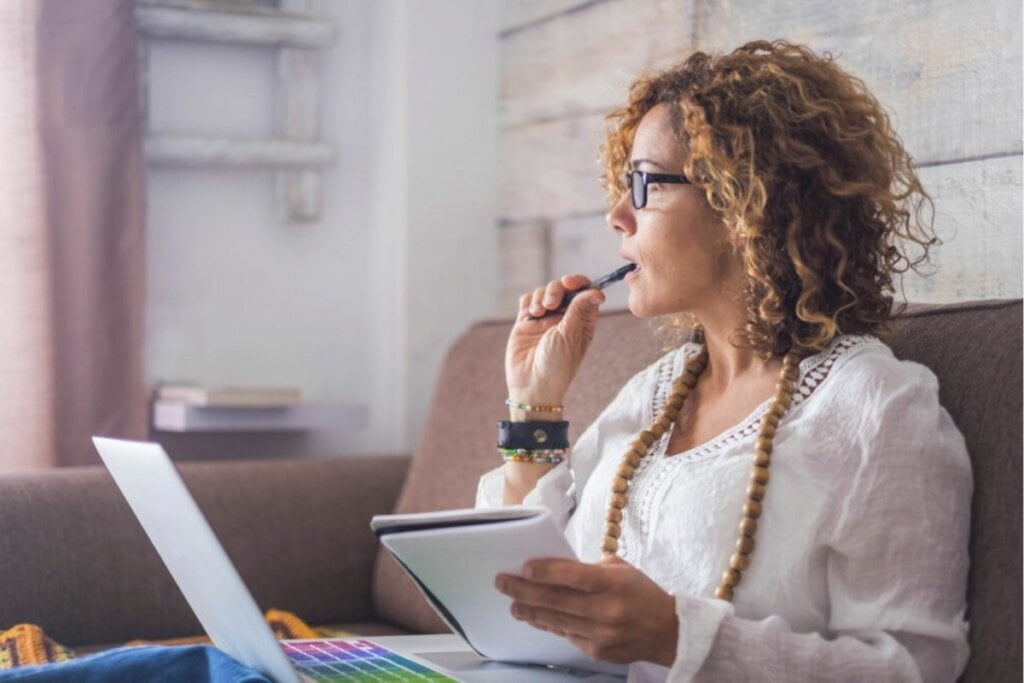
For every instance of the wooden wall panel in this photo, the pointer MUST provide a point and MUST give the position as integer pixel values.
(535, 252)
(978, 217)
(949, 71)
(522, 264)
(583, 61)
(551, 169)
(516, 14)
(585, 244)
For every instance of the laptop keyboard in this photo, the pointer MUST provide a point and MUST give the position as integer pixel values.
(355, 660)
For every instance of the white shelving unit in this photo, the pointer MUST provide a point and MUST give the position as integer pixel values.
(295, 152)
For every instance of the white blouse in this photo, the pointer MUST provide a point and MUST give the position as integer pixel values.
(860, 569)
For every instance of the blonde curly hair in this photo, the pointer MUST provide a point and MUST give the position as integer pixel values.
(802, 164)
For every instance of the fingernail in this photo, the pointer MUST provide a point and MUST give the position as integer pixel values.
(517, 611)
(528, 571)
(500, 583)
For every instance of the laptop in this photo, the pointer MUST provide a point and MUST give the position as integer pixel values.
(229, 615)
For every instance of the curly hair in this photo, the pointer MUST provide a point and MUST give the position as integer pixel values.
(802, 164)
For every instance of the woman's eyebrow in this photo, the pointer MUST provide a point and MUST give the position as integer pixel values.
(637, 163)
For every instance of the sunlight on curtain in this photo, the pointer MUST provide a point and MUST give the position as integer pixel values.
(26, 401)
(72, 275)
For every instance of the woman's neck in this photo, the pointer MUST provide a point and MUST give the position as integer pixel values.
(729, 362)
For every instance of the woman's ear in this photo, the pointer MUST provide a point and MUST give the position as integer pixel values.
(738, 233)
(738, 242)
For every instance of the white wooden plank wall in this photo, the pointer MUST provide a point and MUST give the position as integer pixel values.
(948, 72)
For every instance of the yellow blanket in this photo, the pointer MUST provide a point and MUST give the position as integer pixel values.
(27, 644)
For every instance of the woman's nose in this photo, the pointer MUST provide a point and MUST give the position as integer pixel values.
(621, 218)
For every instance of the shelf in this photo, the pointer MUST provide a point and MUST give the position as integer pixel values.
(198, 150)
(173, 416)
(216, 24)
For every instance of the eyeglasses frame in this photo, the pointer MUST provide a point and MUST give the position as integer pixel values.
(648, 178)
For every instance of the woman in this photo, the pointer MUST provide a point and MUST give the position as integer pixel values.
(764, 198)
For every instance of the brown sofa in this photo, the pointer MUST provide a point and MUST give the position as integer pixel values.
(74, 560)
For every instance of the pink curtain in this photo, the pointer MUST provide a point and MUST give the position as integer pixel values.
(71, 230)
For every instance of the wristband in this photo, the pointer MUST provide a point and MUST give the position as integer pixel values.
(533, 435)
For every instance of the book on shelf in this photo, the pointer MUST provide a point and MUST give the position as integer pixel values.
(230, 397)
(454, 556)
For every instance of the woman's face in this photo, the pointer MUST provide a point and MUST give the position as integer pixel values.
(680, 245)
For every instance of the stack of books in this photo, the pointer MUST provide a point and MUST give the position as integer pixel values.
(191, 407)
(230, 397)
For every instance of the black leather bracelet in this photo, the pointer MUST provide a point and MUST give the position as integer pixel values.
(533, 434)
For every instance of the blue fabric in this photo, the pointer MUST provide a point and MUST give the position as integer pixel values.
(187, 664)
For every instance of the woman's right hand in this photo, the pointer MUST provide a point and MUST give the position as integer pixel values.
(542, 356)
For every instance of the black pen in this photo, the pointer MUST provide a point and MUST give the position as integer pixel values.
(599, 283)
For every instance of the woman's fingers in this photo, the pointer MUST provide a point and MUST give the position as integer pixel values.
(580, 576)
(557, 289)
(592, 633)
(530, 594)
(549, 297)
(537, 302)
(524, 306)
(610, 609)
(562, 623)
(553, 295)
(576, 281)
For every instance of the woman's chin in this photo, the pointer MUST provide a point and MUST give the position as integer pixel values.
(639, 308)
(644, 308)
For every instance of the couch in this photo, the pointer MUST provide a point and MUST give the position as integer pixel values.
(74, 560)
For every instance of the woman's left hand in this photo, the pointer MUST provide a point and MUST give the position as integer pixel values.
(611, 610)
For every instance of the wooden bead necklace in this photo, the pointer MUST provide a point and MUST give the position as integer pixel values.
(640, 447)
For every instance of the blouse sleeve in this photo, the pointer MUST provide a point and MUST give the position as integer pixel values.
(553, 491)
(896, 560)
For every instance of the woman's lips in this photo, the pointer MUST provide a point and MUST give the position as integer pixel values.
(632, 275)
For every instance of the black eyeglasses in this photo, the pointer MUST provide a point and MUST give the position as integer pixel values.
(637, 182)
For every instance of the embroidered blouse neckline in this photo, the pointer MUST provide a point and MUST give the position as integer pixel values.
(813, 371)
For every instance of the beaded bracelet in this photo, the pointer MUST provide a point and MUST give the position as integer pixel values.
(542, 457)
(533, 409)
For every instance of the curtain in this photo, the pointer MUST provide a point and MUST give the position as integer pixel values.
(71, 230)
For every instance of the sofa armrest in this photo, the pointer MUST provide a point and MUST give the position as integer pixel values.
(76, 562)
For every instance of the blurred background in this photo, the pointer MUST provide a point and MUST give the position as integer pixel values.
(321, 195)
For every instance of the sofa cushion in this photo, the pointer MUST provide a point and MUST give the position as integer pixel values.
(974, 349)
(75, 561)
